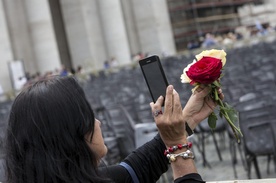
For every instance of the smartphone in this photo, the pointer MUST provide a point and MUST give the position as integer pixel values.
(154, 76)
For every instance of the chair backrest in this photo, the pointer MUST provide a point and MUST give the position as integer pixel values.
(144, 132)
(254, 103)
(123, 126)
(258, 128)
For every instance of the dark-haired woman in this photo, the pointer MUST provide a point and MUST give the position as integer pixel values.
(53, 136)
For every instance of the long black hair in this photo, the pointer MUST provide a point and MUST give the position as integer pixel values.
(45, 136)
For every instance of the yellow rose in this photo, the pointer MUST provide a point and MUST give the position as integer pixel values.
(219, 54)
(184, 78)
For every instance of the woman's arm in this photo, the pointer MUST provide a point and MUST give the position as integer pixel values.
(146, 164)
(171, 125)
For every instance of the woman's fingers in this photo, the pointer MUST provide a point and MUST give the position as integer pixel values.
(211, 103)
(168, 101)
(172, 105)
(221, 95)
(172, 108)
(202, 91)
(177, 109)
(156, 107)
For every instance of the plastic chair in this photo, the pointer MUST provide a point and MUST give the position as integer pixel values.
(258, 127)
(123, 126)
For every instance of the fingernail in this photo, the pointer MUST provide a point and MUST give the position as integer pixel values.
(170, 87)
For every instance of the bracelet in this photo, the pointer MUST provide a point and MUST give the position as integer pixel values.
(185, 155)
(179, 146)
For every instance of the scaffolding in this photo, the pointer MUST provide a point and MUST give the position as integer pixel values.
(192, 19)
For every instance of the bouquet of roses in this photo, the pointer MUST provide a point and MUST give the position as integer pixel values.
(207, 69)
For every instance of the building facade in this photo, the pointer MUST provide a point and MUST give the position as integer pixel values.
(192, 19)
(48, 34)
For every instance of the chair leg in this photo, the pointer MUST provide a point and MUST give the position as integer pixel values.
(216, 145)
(200, 144)
(242, 157)
(203, 149)
(274, 157)
(205, 163)
(268, 164)
(234, 157)
(248, 160)
(257, 168)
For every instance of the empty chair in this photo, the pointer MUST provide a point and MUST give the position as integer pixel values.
(123, 127)
(258, 127)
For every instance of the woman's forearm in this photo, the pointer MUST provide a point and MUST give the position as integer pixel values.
(180, 163)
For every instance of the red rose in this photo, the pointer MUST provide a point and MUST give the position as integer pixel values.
(205, 71)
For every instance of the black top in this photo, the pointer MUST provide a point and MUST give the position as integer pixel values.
(148, 163)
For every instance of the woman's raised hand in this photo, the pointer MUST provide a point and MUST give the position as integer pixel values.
(171, 122)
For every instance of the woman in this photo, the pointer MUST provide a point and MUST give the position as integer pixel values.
(53, 137)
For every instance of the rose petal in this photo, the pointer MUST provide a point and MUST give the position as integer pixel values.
(184, 78)
(205, 71)
(219, 54)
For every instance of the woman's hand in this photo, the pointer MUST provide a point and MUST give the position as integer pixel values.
(171, 122)
(171, 126)
(200, 105)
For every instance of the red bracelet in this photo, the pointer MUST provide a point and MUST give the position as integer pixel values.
(179, 146)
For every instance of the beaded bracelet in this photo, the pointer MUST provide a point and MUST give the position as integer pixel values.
(185, 155)
(179, 146)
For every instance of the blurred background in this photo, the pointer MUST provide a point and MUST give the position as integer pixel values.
(101, 42)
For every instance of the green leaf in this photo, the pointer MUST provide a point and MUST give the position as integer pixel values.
(232, 114)
(212, 120)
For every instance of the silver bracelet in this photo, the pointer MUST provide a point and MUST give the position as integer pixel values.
(185, 155)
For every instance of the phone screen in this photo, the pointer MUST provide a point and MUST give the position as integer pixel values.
(154, 76)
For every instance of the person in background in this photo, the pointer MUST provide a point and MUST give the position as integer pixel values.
(106, 65)
(63, 71)
(209, 41)
(53, 136)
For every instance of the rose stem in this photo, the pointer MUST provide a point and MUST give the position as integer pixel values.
(234, 128)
